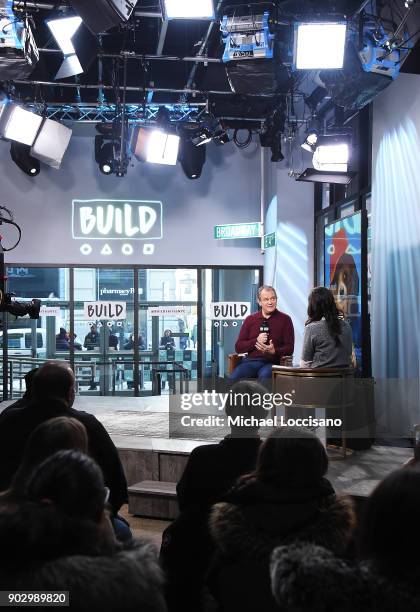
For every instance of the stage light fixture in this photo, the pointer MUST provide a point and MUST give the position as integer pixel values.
(19, 124)
(332, 153)
(18, 50)
(21, 155)
(276, 152)
(201, 137)
(319, 45)
(63, 31)
(162, 148)
(78, 45)
(221, 137)
(186, 9)
(155, 146)
(104, 155)
(310, 141)
(51, 143)
(101, 15)
(192, 159)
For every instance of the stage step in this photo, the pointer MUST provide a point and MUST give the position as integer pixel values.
(153, 499)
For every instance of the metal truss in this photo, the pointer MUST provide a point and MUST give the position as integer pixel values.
(135, 113)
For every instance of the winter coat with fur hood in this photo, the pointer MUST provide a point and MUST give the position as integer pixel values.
(128, 581)
(309, 577)
(256, 518)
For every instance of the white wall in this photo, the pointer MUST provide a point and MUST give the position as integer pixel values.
(227, 192)
(396, 254)
(289, 265)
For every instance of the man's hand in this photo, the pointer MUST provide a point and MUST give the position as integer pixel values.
(265, 348)
(262, 339)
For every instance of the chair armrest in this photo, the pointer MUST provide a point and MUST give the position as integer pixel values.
(233, 360)
(286, 360)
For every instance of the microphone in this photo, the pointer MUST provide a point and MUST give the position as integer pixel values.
(264, 329)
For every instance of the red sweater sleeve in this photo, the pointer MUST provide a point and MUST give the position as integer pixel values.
(286, 344)
(245, 343)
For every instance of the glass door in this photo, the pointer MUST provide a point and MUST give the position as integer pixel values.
(227, 285)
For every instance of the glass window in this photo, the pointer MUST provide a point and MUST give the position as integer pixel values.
(168, 285)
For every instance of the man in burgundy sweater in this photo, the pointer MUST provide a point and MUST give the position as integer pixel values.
(266, 336)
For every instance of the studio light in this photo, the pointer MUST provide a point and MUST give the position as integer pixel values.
(162, 148)
(63, 31)
(101, 15)
(332, 153)
(18, 50)
(310, 141)
(19, 124)
(276, 152)
(186, 9)
(221, 137)
(104, 155)
(155, 146)
(192, 159)
(21, 155)
(202, 137)
(319, 45)
(78, 45)
(51, 143)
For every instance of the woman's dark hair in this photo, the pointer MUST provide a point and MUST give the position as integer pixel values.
(389, 533)
(59, 433)
(321, 303)
(293, 457)
(72, 481)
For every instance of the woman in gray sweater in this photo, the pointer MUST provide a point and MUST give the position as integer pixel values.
(327, 342)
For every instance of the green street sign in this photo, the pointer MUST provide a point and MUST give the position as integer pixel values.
(237, 230)
(269, 240)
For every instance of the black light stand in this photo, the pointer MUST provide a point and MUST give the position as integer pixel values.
(7, 304)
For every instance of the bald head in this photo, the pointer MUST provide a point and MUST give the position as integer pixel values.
(54, 381)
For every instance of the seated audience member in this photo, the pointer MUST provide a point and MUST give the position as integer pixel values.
(60, 539)
(265, 336)
(210, 472)
(29, 376)
(327, 342)
(62, 340)
(308, 577)
(286, 498)
(53, 395)
(60, 433)
(167, 341)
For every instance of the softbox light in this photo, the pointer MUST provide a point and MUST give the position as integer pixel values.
(51, 143)
(17, 123)
(78, 44)
(185, 9)
(319, 45)
(155, 146)
(101, 15)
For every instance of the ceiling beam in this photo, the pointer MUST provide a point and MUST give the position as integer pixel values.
(152, 57)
